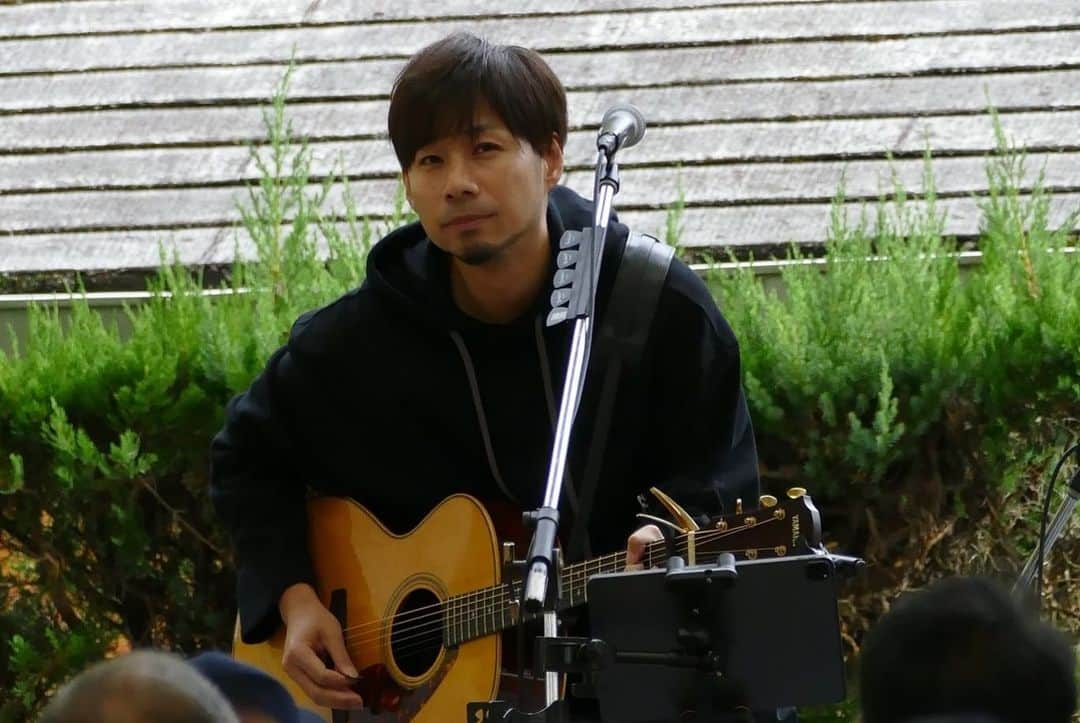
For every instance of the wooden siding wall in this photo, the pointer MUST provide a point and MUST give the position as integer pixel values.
(125, 122)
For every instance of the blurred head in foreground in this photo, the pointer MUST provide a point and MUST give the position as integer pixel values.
(146, 685)
(964, 650)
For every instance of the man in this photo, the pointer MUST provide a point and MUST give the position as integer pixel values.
(963, 651)
(146, 685)
(438, 374)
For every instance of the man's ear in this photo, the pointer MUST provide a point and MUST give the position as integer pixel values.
(553, 162)
(407, 185)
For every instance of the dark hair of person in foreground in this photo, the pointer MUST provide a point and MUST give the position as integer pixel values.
(963, 650)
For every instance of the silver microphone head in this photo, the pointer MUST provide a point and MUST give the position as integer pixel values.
(623, 123)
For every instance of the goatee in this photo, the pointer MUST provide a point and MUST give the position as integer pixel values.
(478, 255)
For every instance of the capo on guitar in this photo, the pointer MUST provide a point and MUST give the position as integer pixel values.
(682, 523)
(681, 517)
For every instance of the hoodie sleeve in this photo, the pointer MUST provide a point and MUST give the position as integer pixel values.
(705, 457)
(259, 491)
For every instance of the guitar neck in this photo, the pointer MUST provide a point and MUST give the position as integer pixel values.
(493, 609)
(773, 530)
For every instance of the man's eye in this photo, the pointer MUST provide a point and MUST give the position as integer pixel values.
(485, 147)
(428, 160)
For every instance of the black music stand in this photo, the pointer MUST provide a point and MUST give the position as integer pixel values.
(718, 639)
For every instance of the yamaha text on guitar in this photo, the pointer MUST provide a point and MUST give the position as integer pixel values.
(420, 611)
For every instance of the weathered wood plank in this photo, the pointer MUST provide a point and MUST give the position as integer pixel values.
(117, 250)
(656, 188)
(106, 16)
(765, 226)
(716, 143)
(901, 18)
(801, 183)
(153, 127)
(904, 97)
(803, 140)
(373, 78)
(346, 120)
(708, 228)
(195, 86)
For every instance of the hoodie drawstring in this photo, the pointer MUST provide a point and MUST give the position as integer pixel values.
(481, 417)
(470, 372)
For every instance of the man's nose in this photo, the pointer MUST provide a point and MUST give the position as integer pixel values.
(460, 180)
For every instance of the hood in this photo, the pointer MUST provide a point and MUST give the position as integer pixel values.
(409, 272)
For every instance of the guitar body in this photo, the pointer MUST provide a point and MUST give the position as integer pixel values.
(388, 588)
(420, 611)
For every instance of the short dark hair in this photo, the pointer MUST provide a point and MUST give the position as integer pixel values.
(964, 647)
(436, 93)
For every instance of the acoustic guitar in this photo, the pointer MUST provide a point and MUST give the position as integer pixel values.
(420, 611)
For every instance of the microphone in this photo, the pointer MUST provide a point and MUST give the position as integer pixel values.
(623, 126)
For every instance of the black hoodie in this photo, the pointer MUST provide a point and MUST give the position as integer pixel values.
(394, 397)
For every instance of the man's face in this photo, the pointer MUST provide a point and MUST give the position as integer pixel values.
(478, 194)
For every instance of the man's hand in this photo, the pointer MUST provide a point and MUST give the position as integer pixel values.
(636, 544)
(310, 631)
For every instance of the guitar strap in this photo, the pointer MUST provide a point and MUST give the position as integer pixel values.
(618, 348)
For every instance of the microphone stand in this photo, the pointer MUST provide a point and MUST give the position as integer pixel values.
(541, 589)
(1032, 567)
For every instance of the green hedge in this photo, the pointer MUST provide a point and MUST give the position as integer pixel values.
(922, 405)
(858, 369)
(864, 382)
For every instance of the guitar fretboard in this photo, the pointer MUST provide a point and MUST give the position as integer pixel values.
(493, 609)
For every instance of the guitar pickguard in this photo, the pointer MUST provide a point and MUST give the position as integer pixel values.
(387, 702)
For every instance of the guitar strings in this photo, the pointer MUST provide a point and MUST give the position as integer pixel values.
(493, 597)
(467, 598)
(498, 594)
(432, 635)
(466, 601)
(474, 625)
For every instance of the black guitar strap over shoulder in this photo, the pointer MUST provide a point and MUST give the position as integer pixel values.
(618, 348)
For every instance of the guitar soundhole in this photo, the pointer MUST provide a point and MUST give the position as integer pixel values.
(416, 636)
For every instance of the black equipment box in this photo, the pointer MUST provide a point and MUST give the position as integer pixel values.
(762, 634)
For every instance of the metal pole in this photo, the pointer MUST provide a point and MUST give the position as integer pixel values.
(537, 583)
(1053, 532)
(551, 680)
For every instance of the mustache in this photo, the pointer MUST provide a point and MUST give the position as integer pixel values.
(460, 215)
